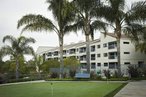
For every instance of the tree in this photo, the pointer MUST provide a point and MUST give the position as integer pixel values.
(38, 61)
(71, 62)
(17, 48)
(124, 21)
(88, 20)
(52, 63)
(62, 12)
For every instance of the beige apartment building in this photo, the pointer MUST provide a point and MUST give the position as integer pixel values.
(103, 54)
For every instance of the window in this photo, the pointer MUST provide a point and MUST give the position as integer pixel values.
(72, 51)
(112, 45)
(93, 66)
(56, 53)
(83, 65)
(93, 57)
(126, 52)
(64, 52)
(105, 45)
(77, 49)
(93, 48)
(82, 50)
(105, 54)
(98, 55)
(98, 64)
(140, 64)
(83, 58)
(126, 63)
(112, 55)
(98, 46)
(49, 54)
(112, 65)
(105, 64)
(125, 42)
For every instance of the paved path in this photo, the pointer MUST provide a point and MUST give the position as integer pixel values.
(133, 89)
(22, 82)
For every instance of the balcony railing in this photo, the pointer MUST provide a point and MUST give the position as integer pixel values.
(112, 57)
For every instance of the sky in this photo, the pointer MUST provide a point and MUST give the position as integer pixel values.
(12, 10)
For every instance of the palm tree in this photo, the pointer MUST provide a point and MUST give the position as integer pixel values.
(17, 48)
(124, 21)
(38, 61)
(62, 12)
(88, 20)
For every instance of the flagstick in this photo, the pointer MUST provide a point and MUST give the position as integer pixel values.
(52, 88)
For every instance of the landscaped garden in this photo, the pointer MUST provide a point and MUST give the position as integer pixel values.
(60, 89)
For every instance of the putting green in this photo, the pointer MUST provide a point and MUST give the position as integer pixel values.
(60, 89)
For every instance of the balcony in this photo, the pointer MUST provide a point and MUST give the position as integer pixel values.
(82, 50)
(83, 58)
(112, 55)
(56, 53)
(93, 48)
(49, 54)
(83, 65)
(64, 52)
(112, 45)
(72, 51)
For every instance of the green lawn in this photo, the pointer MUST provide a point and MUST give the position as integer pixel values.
(61, 89)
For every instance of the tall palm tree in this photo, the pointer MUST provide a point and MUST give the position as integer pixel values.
(16, 48)
(62, 12)
(124, 21)
(87, 19)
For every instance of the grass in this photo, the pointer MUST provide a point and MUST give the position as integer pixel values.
(61, 89)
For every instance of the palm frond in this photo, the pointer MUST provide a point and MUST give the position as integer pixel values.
(7, 50)
(25, 41)
(35, 19)
(37, 27)
(28, 50)
(137, 12)
(99, 25)
(9, 38)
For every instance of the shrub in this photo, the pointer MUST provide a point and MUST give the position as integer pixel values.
(144, 72)
(107, 74)
(72, 73)
(134, 72)
(54, 75)
(115, 75)
(93, 75)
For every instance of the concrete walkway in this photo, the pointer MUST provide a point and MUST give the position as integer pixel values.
(133, 89)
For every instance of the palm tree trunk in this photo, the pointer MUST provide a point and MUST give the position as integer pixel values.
(17, 66)
(61, 56)
(119, 57)
(88, 53)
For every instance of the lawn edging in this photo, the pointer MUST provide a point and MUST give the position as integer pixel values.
(114, 92)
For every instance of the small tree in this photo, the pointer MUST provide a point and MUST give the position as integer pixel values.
(52, 63)
(72, 63)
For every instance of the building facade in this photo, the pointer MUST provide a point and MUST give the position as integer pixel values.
(103, 54)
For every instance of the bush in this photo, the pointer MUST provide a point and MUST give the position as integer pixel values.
(134, 72)
(93, 75)
(107, 74)
(144, 72)
(115, 75)
(72, 73)
(54, 75)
